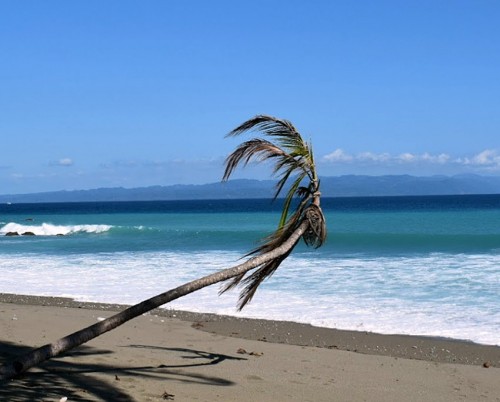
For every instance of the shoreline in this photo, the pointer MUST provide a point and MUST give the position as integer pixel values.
(183, 356)
(417, 347)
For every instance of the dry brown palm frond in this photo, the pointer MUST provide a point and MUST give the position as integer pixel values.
(256, 148)
(315, 235)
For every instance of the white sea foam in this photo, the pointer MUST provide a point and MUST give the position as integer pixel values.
(47, 229)
(437, 295)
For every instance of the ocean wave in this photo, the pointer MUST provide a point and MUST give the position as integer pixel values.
(445, 295)
(47, 229)
(395, 243)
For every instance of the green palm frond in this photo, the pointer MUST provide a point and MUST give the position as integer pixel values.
(289, 198)
(293, 157)
(291, 153)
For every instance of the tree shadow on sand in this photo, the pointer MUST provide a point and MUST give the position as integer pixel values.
(59, 377)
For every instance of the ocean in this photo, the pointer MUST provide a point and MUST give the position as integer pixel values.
(393, 265)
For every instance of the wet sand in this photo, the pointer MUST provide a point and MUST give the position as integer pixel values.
(182, 356)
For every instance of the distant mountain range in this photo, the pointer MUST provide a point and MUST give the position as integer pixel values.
(341, 186)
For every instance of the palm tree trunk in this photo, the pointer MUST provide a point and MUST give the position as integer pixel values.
(37, 356)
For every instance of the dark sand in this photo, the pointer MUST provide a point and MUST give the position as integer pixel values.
(234, 359)
(442, 350)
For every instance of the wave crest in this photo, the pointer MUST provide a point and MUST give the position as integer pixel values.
(47, 229)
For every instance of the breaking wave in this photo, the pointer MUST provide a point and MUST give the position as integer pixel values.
(47, 229)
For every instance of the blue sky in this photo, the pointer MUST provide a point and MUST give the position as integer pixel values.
(139, 93)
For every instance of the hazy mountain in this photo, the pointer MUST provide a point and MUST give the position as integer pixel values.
(341, 186)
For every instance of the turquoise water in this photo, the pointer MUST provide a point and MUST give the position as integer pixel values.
(415, 265)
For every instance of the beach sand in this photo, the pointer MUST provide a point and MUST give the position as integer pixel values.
(171, 355)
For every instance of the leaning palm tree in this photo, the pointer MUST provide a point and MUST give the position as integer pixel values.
(292, 158)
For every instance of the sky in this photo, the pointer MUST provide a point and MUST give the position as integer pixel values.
(122, 93)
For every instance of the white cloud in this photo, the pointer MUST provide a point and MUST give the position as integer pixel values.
(486, 161)
(370, 156)
(441, 158)
(62, 162)
(385, 158)
(66, 162)
(406, 157)
(338, 156)
(486, 158)
(425, 157)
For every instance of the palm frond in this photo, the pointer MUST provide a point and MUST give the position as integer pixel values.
(292, 157)
(289, 149)
(252, 282)
(288, 199)
(255, 148)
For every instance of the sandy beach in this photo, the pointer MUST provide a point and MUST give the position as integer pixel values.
(172, 355)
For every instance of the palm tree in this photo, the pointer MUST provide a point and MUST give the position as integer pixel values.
(291, 156)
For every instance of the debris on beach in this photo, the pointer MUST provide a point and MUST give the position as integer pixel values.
(242, 351)
(167, 396)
